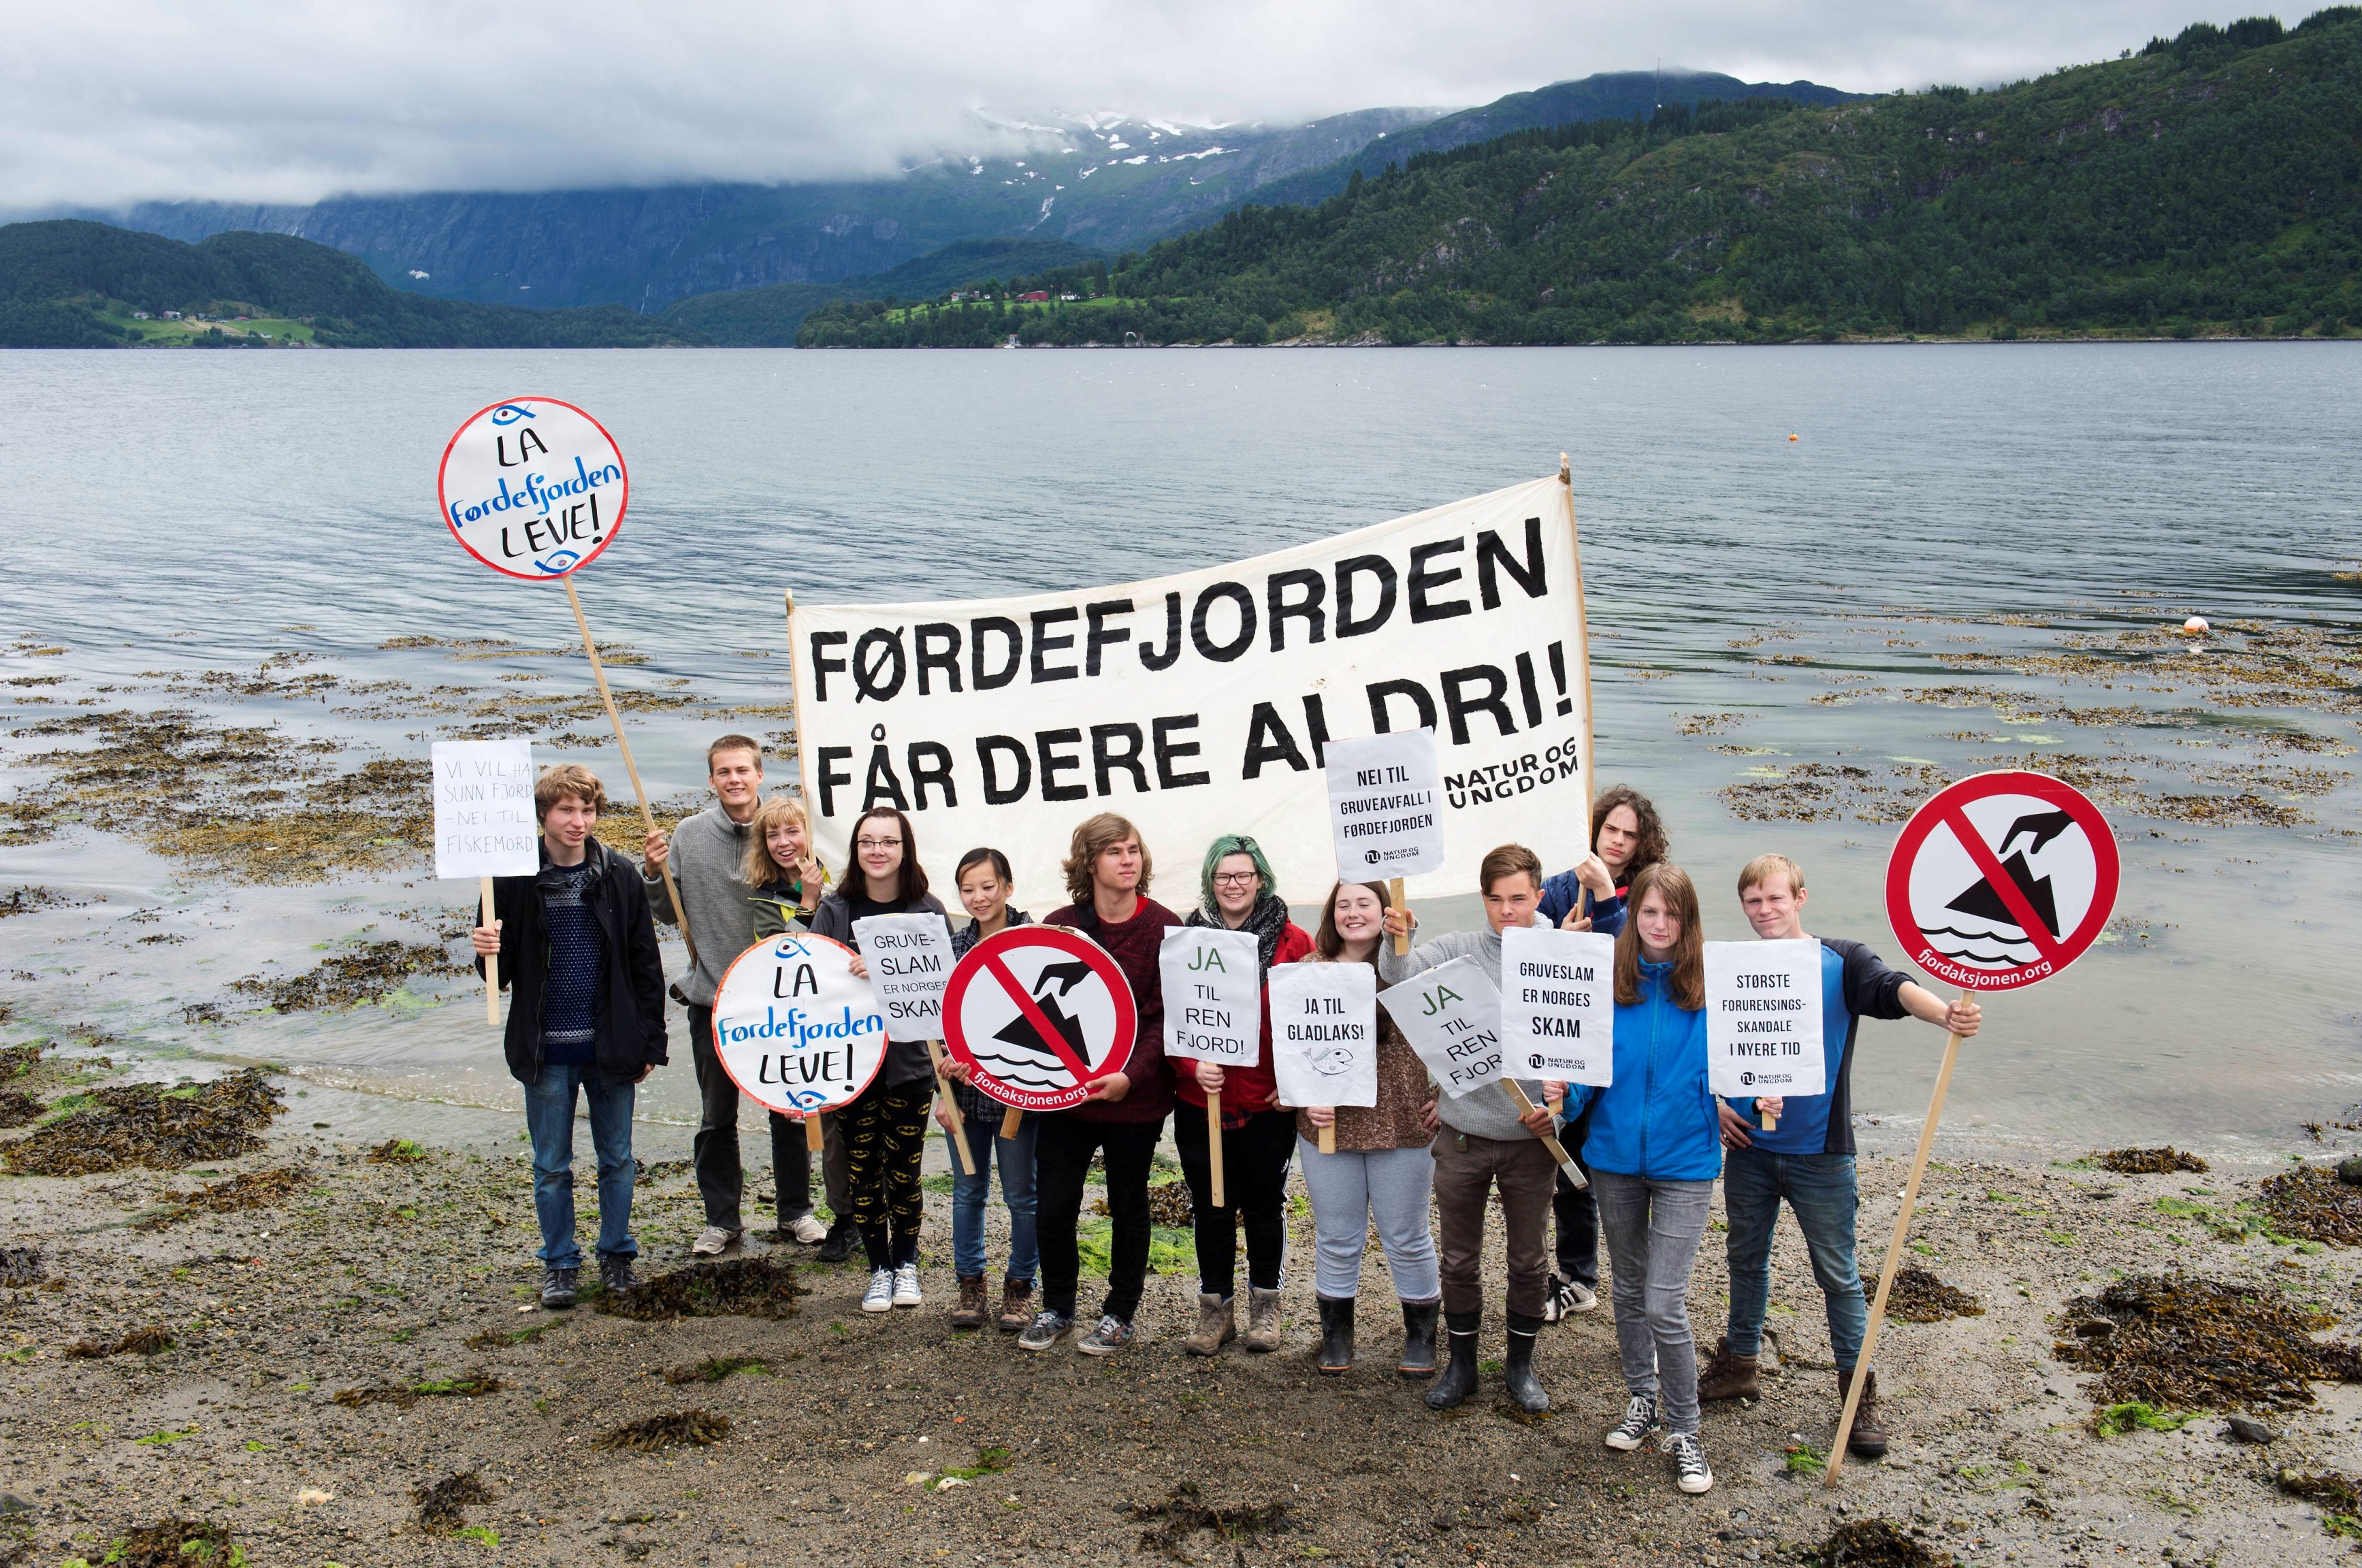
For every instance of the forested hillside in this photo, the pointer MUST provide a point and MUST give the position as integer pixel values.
(2211, 182)
(71, 284)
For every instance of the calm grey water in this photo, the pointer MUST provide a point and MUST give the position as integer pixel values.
(197, 512)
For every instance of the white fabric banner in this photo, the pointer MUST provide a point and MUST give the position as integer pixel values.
(1201, 703)
(1764, 1017)
(1558, 1004)
(1324, 1033)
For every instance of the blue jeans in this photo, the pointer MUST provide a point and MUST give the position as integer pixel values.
(968, 1193)
(549, 1119)
(1821, 1191)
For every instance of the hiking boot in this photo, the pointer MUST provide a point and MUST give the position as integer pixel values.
(559, 1287)
(1518, 1366)
(1639, 1420)
(1263, 1320)
(838, 1244)
(1729, 1375)
(969, 1313)
(1336, 1337)
(1047, 1330)
(1217, 1325)
(1868, 1438)
(1691, 1472)
(805, 1229)
(906, 1285)
(712, 1242)
(879, 1296)
(1113, 1335)
(1016, 1306)
(1568, 1297)
(1419, 1341)
(1459, 1379)
(615, 1273)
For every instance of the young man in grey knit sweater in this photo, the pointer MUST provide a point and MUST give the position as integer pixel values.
(706, 852)
(1484, 1143)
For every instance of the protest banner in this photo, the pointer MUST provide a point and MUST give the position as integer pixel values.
(1763, 1020)
(1998, 882)
(1204, 703)
(1385, 794)
(1213, 1011)
(1452, 1017)
(484, 827)
(1324, 1036)
(535, 488)
(1040, 1015)
(797, 1031)
(909, 958)
(1558, 1004)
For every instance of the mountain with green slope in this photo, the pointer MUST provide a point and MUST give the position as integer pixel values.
(65, 283)
(2212, 184)
(769, 318)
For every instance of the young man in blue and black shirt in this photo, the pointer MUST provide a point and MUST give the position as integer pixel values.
(1809, 1158)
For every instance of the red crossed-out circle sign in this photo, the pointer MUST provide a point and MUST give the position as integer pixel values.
(2001, 880)
(1040, 1013)
(533, 487)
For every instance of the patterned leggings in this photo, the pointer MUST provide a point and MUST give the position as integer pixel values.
(885, 1139)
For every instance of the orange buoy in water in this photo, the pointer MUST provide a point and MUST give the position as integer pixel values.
(1792, 437)
(2196, 625)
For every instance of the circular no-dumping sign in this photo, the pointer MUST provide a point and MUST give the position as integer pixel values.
(2001, 880)
(1040, 1013)
(795, 1028)
(533, 487)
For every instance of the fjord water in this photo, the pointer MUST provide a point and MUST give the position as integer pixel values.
(190, 512)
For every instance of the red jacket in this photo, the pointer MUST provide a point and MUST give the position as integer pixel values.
(1246, 1090)
(1137, 946)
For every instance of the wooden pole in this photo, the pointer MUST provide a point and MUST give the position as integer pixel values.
(1012, 1121)
(1894, 1256)
(1214, 1144)
(1582, 685)
(647, 813)
(814, 1138)
(959, 1122)
(1771, 1122)
(491, 962)
(1550, 1140)
(1328, 1136)
(1394, 896)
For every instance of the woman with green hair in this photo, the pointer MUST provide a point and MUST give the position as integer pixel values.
(1237, 892)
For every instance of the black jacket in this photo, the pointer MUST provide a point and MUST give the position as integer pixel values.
(632, 1002)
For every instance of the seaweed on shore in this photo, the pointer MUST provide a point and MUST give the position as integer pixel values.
(255, 1190)
(2148, 1162)
(739, 1287)
(367, 972)
(714, 1368)
(16, 1108)
(2175, 1342)
(1919, 1297)
(697, 1429)
(1877, 1543)
(149, 1341)
(172, 1543)
(163, 1127)
(443, 1505)
(473, 1385)
(2313, 1204)
(21, 1266)
(1186, 1512)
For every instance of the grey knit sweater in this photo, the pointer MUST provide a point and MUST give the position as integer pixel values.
(1488, 1112)
(706, 851)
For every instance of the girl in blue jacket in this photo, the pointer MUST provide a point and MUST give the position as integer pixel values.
(1654, 1150)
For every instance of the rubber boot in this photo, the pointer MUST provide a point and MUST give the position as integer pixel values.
(1336, 1336)
(1729, 1376)
(1868, 1438)
(1459, 1379)
(1419, 1341)
(1518, 1366)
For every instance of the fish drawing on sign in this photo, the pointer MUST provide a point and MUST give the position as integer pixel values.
(1331, 1062)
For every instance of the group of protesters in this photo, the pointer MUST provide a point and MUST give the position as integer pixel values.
(588, 1021)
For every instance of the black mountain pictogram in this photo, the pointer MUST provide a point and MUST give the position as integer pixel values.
(1019, 1032)
(1982, 900)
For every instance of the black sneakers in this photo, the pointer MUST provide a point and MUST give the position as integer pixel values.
(559, 1286)
(615, 1273)
(842, 1235)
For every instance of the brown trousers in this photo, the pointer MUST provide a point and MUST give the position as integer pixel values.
(1466, 1169)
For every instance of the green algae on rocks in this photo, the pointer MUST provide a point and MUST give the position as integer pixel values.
(164, 1127)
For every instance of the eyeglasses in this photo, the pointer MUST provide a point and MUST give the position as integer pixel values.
(868, 844)
(1236, 879)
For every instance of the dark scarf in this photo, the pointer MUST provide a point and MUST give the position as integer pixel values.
(1267, 920)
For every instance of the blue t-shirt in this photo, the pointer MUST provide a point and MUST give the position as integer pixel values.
(569, 1010)
(1854, 985)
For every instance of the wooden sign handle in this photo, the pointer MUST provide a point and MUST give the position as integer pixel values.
(1214, 1144)
(1771, 1122)
(647, 811)
(1394, 896)
(1329, 1139)
(1550, 1140)
(1894, 1256)
(1012, 1121)
(492, 961)
(959, 1122)
(815, 1138)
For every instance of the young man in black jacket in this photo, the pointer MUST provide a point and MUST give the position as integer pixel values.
(586, 1014)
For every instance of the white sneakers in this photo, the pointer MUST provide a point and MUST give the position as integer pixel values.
(1567, 1297)
(906, 1285)
(879, 1296)
(1691, 1472)
(1639, 1420)
(712, 1242)
(809, 1231)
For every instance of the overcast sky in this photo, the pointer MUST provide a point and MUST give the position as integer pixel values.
(111, 100)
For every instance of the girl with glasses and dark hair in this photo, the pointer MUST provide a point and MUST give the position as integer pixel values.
(884, 1129)
(1236, 892)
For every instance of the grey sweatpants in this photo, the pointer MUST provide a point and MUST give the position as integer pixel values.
(1652, 1229)
(1353, 1188)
